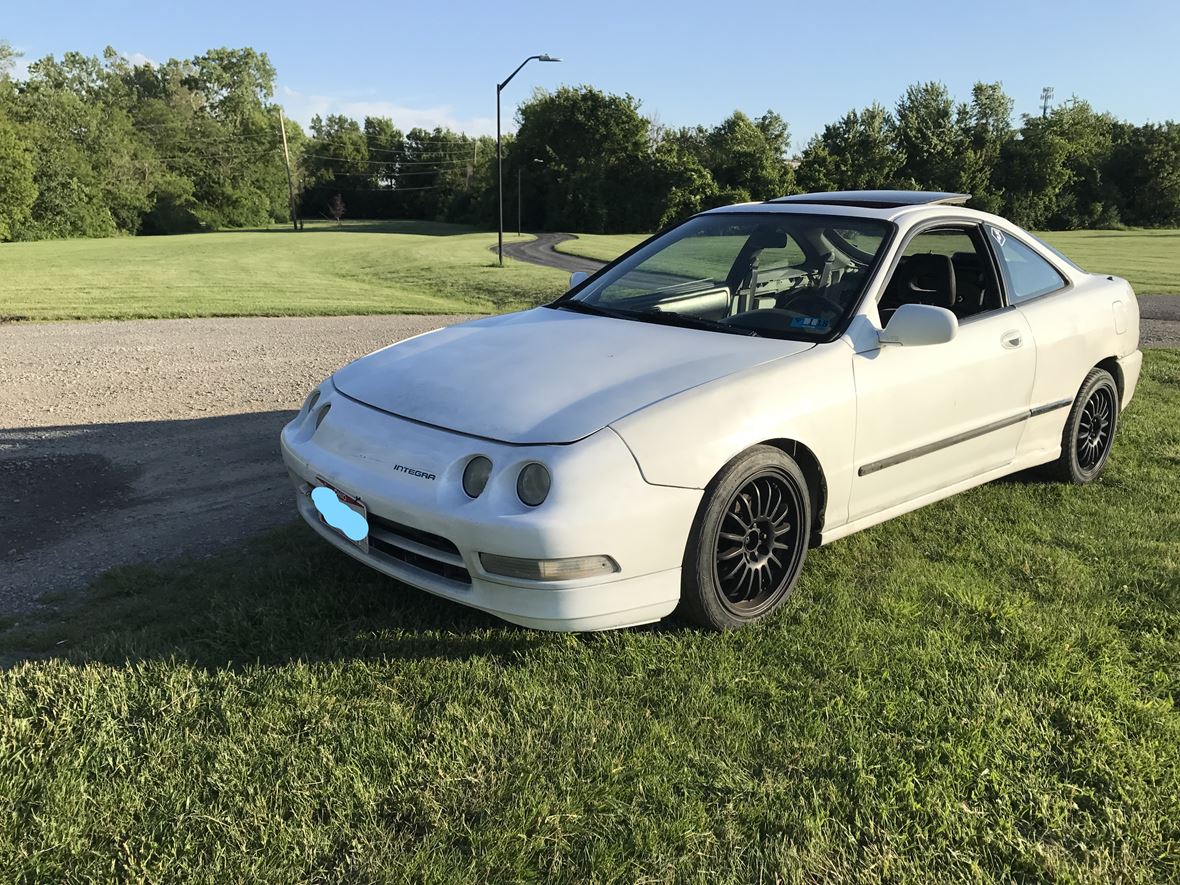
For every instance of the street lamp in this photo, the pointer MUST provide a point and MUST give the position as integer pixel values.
(500, 155)
(519, 189)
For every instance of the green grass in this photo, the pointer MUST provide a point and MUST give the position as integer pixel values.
(981, 690)
(1149, 259)
(600, 247)
(357, 268)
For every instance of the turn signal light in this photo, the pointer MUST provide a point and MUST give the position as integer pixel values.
(548, 569)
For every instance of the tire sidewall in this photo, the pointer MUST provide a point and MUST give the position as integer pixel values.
(701, 597)
(1098, 378)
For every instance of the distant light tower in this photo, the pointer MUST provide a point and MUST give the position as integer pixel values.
(500, 155)
(1046, 97)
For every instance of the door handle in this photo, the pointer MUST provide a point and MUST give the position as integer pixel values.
(1011, 339)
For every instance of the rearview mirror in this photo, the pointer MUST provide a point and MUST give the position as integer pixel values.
(577, 278)
(916, 325)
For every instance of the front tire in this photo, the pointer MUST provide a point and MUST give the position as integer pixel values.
(748, 542)
(1089, 430)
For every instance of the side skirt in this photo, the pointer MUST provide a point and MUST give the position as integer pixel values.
(1026, 461)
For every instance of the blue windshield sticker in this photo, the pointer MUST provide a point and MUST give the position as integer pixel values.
(812, 324)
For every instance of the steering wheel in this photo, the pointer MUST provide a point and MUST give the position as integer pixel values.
(808, 303)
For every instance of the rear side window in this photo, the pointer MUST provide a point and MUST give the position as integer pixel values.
(1029, 275)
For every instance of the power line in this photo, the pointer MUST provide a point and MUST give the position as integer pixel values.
(453, 163)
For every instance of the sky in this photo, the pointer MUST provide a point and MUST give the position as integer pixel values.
(427, 64)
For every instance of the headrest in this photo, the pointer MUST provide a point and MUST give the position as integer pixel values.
(929, 279)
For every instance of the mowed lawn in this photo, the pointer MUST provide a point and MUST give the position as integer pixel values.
(1149, 259)
(355, 268)
(982, 690)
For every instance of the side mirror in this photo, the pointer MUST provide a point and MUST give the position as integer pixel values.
(916, 325)
(577, 278)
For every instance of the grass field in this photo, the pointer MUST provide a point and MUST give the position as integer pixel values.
(356, 268)
(981, 690)
(1150, 259)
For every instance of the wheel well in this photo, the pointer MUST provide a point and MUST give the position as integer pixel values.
(1111, 364)
(817, 484)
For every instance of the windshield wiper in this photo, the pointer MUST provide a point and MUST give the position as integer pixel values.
(668, 318)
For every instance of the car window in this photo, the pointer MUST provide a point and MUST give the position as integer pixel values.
(774, 274)
(946, 267)
(1029, 275)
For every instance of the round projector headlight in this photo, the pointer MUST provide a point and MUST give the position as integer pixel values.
(532, 486)
(475, 476)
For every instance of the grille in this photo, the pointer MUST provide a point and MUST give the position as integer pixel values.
(414, 547)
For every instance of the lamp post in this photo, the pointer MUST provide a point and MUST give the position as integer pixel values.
(500, 154)
(519, 190)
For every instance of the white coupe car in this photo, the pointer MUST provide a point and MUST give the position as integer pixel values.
(679, 428)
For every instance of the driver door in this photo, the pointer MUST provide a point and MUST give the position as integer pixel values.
(932, 416)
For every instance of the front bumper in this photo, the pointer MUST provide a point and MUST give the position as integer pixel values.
(428, 533)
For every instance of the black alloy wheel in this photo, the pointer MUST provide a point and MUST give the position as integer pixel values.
(748, 543)
(1095, 429)
(1089, 430)
(759, 542)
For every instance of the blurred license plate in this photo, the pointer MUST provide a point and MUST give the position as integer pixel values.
(342, 513)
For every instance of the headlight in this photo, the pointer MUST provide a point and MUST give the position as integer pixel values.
(322, 414)
(532, 485)
(475, 476)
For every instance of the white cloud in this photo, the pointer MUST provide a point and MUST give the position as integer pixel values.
(302, 107)
(139, 59)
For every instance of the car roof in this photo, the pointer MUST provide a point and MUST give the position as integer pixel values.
(885, 205)
(879, 199)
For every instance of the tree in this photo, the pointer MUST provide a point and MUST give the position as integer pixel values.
(589, 142)
(8, 57)
(926, 137)
(986, 127)
(336, 207)
(18, 190)
(1144, 169)
(857, 152)
(750, 155)
(1032, 172)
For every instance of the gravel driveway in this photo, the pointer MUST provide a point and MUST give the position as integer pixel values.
(140, 441)
(145, 440)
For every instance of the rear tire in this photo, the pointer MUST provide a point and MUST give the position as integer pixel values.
(748, 543)
(1089, 431)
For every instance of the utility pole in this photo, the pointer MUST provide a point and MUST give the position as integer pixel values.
(287, 163)
(1046, 97)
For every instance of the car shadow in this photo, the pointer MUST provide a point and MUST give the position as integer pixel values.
(156, 540)
(284, 597)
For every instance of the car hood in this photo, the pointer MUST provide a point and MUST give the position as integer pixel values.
(544, 375)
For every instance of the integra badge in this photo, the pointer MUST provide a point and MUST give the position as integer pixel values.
(413, 471)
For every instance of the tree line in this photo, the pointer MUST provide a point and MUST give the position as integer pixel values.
(96, 147)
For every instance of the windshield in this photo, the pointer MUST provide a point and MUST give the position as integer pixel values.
(774, 274)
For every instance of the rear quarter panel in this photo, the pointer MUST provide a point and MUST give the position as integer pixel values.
(1095, 319)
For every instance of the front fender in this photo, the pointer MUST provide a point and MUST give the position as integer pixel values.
(809, 398)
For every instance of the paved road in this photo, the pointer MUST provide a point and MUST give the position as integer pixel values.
(1160, 325)
(541, 251)
(145, 440)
